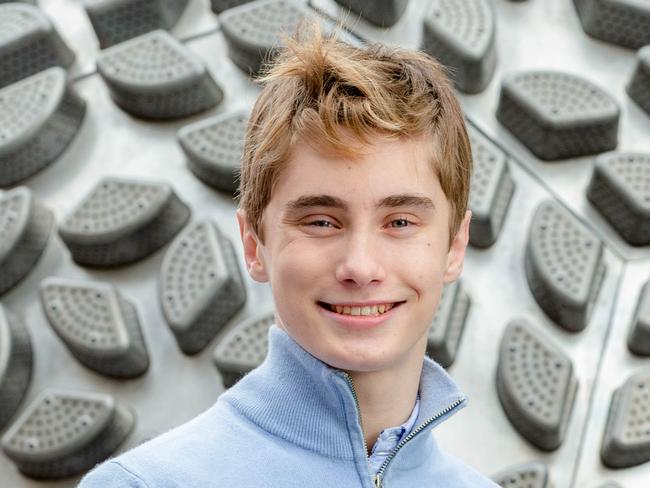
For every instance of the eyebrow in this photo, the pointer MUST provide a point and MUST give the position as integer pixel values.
(392, 201)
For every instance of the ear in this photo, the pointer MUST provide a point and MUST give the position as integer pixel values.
(456, 253)
(252, 249)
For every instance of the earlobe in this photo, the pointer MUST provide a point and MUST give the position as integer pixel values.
(456, 254)
(252, 249)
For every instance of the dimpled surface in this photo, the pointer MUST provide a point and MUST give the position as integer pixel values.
(214, 148)
(28, 43)
(243, 348)
(63, 433)
(448, 324)
(536, 385)
(558, 115)
(115, 21)
(527, 475)
(620, 190)
(201, 285)
(116, 206)
(491, 189)
(253, 30)
(627, 436)
(460, 34)
(564, 265)
(16, 364)
(24, 233)
(623, 22)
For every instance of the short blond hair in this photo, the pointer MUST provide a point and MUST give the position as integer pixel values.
(318, 85)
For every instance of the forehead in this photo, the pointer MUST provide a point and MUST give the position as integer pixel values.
(380, 168)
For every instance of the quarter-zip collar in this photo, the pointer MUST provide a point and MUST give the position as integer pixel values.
(296, 396)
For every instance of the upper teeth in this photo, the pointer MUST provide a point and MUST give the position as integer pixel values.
(371, 310)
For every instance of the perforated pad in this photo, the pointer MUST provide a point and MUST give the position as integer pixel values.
(254, 30)
(448, 324)
(460, 34)
(564, 265)
(99, 327)
(623, 22)
(558, 115)
(25, 227)
(491, 190)
(39, 116)
(528, 475)
(536, 385)
(15, 364)
(123, 220)
(383, 13)
(28, 43)
(638, 340)
(639, 86)
(116, 21)
(243, 348)
(64, 433)
(201, 285)
(214, 149)
(620, 190)
(627, 436)
(154, 76)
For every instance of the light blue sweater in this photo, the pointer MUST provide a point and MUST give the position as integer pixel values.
(293, 422)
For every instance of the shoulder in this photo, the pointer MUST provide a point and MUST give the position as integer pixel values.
(179, 457)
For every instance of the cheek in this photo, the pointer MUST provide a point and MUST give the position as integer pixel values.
(296, 267)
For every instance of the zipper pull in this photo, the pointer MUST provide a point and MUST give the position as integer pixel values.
(377, 481)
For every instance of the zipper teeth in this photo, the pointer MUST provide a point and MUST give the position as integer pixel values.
(356, 401)
(390, 457)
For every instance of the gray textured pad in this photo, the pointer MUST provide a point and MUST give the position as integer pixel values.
(527, 475)
(154, 76)
(63, 433)
(623, 22)
(219, 6)
(638, 340)
(16, 360)
(243, 348)
(39, 116)
(639, 86)
(627, 435)
(28, 43)
(620, 190)
(383, 13)
(461, 34)
(490, 192)
(448, 324)
(536, 385)
(123, 220)
(610, 484)
(201, 285)
(564, 265)
(253, 31)
(116, 21)
(558, 115)
(25, 227)
(99, 327)
(214, 148)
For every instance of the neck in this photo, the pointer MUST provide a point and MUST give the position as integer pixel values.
(387, 397)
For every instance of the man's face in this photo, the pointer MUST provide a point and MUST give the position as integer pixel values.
(356, 252)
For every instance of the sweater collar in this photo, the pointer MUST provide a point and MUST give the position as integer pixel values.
(299, 398)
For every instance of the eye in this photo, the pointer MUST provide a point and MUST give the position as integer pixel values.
(400, 223)
(320, 223)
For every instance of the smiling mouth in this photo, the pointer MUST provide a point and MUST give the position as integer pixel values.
(369, 310)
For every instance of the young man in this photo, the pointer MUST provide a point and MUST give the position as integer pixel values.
(353, 198)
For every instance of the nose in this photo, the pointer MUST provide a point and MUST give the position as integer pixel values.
(361, 261)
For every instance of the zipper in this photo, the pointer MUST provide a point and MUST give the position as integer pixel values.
(378, 477)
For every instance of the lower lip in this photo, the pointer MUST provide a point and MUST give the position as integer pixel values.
(359, 322)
